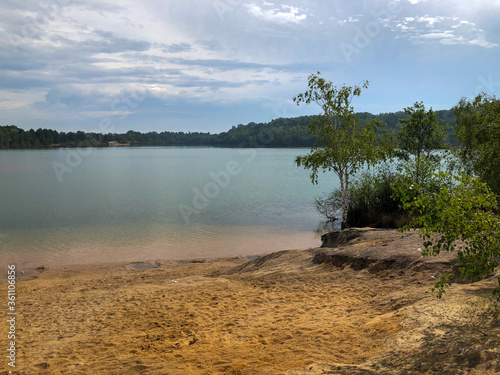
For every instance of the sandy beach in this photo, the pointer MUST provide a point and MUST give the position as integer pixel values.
(362, 307)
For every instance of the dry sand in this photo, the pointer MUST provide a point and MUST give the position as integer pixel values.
(362, 308)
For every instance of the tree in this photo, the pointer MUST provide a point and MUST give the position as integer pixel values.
(478, 130)
(460, 216)
(343, 145)
(420, 136)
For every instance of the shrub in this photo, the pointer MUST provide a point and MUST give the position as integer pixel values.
(371, 201)
(461, 216)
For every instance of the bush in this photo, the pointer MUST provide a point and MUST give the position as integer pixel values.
(371, 200)
(461, 216)
(372, 203)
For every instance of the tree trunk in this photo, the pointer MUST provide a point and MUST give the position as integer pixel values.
(344, 188)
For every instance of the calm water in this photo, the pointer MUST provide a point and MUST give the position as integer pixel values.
(125, 204)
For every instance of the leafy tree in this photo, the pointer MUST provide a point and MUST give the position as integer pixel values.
(418, 139)
(343, 145)
(421, 133)
(478, 130)
(460, 216)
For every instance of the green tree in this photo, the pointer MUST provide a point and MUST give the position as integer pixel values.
(343, 145)
(4, 137)
(478, 130)
(460, 216)
(419, 138)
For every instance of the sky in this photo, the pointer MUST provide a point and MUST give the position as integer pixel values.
(208, 65)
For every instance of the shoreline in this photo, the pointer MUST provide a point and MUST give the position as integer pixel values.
(363, 307)
(30, 273)
(33, 270)
(257, 242)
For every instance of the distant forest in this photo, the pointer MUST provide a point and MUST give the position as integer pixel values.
(281, 132)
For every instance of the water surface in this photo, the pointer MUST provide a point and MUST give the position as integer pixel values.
(72, 206)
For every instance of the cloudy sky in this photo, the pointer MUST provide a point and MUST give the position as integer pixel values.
(205, 65)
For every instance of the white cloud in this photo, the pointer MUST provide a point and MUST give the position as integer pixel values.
(444, 30)
(287, 13)
(346, 20)
(463, 23)
(438, 35)
(429, 20)
(413, 2)
(10, 99)
(481, 42)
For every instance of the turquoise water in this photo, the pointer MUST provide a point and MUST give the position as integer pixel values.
(73, 206)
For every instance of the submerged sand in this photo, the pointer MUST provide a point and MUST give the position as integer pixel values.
(362, 308)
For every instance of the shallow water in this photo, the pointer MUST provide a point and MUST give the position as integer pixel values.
(128, 204)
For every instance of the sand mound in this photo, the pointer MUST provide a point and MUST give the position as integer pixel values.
(375, 250)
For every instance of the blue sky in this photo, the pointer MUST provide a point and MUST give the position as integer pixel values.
(206, 65)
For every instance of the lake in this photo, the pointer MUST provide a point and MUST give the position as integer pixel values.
(77, 206)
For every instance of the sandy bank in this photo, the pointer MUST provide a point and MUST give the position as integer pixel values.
(362, 308)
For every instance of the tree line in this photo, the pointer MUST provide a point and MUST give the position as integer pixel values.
(281, 132)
